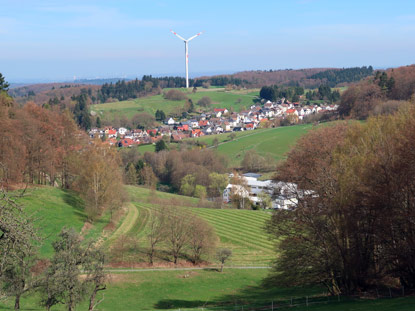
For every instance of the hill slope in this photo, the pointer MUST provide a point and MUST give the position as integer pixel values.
(235, 100)
(54, 209)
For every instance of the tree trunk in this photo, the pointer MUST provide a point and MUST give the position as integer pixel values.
(17, 303)
(221, 267)
(93, 296)
(92, 299)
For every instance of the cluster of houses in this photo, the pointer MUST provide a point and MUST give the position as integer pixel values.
(284, 195)
(220, 120)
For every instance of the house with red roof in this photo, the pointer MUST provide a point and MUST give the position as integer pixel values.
(203, 123)
(249, 126)
(126, 142)
(291, 111)
(197, 133)
(184, 127)
(154, 131)
(111, 133)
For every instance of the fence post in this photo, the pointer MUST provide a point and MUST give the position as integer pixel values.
(377, 293)
(338, 297)
(272, 305)
(403, 290)
(291, 301)
(306, 301)
(390, 293)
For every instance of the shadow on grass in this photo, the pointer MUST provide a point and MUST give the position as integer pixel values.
(72, 199)
(250, 295)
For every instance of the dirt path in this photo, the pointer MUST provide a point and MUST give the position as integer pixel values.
(126, 225)
(183, 269)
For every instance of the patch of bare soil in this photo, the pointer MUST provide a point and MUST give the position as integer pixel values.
(188, 274)
(86, 227)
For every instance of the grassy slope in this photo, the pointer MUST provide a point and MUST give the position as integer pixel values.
(54, 209)
(150, 104)
(276, 142)
(240, 230)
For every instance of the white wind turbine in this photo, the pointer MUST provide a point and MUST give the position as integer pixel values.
(186, 49)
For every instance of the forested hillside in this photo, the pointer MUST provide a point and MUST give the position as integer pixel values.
(381, 94)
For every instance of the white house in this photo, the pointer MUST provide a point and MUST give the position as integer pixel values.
(232, 190)
(122, 131)
(171, 121)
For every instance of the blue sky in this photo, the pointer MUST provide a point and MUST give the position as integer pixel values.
(57, 40)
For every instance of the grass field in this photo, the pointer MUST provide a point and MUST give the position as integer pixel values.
(240, 230)
(205, 289)
(53, 209)
(221, 99)
(234, 289)
(275, 142)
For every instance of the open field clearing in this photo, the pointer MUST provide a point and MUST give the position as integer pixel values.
(276, 142)
(234, 289)
(236, 100)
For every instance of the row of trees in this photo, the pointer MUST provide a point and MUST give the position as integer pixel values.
(356, 229)
(195, 172)
(274, 92)
(171, 166)
(183, 232)
(122, 90)
(333, 77)
(324, 92)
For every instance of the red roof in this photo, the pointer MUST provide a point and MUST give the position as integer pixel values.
(291, 111)
(184, 127)
(219, 109)
(127, 142)
(112, 132)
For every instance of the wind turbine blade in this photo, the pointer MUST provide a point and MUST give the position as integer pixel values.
(196, 35)
(180, 37)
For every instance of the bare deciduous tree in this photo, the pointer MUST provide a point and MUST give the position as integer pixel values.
(202, 239)
(157, 226)
(223, 255)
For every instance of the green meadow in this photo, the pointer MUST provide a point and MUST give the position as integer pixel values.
(202, 289)
(52, 209)
(242, 231)
(235, 99)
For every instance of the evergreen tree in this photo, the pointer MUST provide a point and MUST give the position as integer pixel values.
(161, 145)
(4, 86)
(98, 122)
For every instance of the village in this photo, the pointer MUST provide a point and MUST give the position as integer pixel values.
(218, 121)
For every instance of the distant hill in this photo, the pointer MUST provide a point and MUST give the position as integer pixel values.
(42, 93)
(99, 81)
(308, 78)
(102, 90)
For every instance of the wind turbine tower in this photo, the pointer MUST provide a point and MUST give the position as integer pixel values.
(186, 50)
